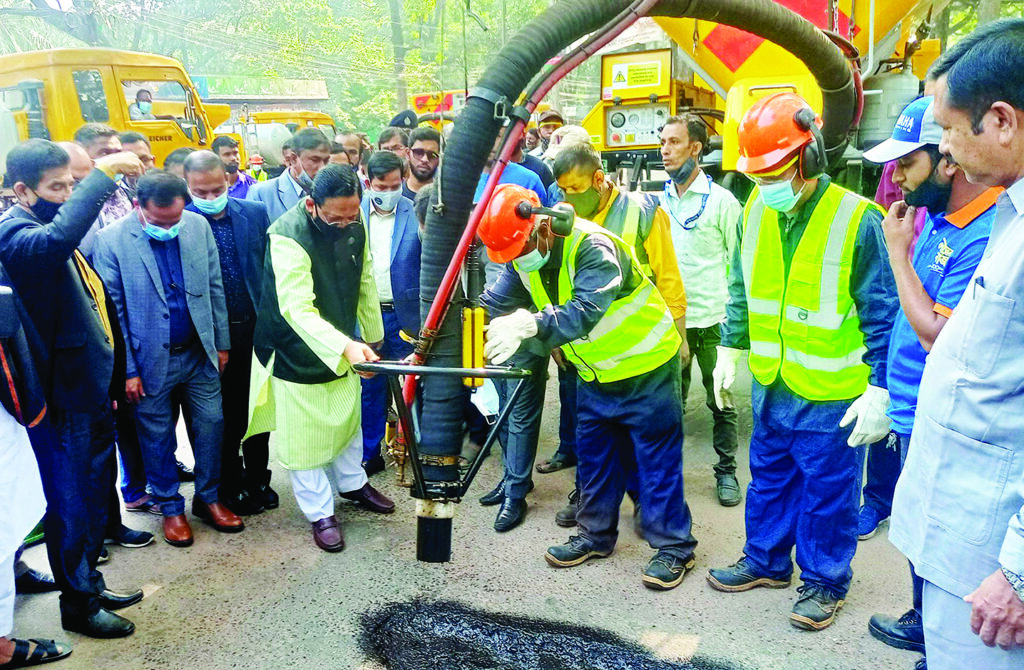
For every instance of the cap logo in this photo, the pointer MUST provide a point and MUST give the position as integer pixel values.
(905, 123)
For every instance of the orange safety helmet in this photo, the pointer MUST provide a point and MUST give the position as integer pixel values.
(770, 134)
(502, 230)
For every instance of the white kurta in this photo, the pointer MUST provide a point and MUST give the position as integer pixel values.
(314, 422)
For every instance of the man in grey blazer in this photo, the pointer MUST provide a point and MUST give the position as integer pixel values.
(161, 269)
(281, 193)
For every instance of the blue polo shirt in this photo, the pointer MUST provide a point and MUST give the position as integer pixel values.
(947, 253)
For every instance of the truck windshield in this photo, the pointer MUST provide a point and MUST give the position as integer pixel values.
(164, 100)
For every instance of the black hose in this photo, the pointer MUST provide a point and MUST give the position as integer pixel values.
(472, 139)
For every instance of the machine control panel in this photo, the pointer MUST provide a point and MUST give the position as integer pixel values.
(635, 125)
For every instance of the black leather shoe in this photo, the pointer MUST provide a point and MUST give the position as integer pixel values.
(241, 502)
(34, 581)
(103, 624)
(185, 473)
(907, 632)
(495, 496)
(110, 600)
(511, 514)
(266, 495)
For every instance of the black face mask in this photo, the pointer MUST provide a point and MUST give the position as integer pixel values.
(685, 171)
(45, 210)
(930, 195)
(231, 168)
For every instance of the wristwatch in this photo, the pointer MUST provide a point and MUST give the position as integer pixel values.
(1016, 581)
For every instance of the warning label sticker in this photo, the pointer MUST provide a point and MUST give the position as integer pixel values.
(636, 75)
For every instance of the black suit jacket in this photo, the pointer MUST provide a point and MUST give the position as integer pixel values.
(249, 222)
(84, 366)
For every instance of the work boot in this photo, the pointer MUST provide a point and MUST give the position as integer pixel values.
(868, 521)
(816, 607)
(574, 552)
(496, 495)
(741, 576)
(666, 571)
(259, 488)
(728, 489)
(241, 502)
(907, 632)
(566, 517)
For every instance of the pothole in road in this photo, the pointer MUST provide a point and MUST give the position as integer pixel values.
(424, 635)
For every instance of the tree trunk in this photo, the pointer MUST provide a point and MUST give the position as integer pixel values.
(398, 45)
(988, 11)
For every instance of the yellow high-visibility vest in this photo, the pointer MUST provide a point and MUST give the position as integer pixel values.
(635, 336)
(804, 327)
(631, 219)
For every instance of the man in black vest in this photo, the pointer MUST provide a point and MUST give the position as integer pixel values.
(82, 367)
(317, 285)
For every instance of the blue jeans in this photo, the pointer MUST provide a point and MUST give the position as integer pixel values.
(518, 436)
(193, 376)
(642, 416)
(882, 472)
(375, 394)
(75, 451)
(804, 489)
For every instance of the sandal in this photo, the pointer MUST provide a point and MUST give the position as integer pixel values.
(45, 651)
(554, 464)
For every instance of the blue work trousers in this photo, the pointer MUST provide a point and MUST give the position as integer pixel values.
(518, 435)
(192, 375)
(567, 382)
(804, 489)
(644, 414)
(376, 398)
(882, 472)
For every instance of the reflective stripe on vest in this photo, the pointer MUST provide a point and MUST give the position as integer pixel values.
(635, 336)
(625, 219)
(805, 326)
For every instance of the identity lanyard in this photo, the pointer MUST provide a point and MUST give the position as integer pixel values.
(691, 222)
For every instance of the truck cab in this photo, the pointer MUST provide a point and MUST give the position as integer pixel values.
(53, 93)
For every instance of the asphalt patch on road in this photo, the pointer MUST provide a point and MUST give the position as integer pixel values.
(425, 635)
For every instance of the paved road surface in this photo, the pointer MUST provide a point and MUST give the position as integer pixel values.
(268, 599)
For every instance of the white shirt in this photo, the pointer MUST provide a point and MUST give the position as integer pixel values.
(704, 230)
(382, 228)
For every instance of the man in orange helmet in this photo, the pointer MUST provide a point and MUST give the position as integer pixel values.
(573, 284)
(813, 298)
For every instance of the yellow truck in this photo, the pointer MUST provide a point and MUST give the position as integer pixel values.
(53, 93)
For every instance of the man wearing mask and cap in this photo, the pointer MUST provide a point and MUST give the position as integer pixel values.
(811, 295)
(239, 183)
(395, 253)
(240, 233)
(549, 121)
(318, 287)
(703, 218)
(570, 283)
(312, 152)
(959, 220)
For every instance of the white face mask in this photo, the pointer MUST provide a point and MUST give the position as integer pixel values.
(385, 201)
(532, 261)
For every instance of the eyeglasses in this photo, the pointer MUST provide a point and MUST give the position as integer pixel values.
(423, 153)
(336, 224)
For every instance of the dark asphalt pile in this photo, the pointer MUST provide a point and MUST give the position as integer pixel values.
(424, 635)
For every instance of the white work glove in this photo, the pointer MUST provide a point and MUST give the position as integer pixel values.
(869, 411)
(725, 375)
(506, 333)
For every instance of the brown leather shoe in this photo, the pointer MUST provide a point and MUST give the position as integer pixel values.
(327, 534)
(371, 499)
(220, 517)
(177, 532)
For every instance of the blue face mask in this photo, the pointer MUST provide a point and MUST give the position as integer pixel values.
(145, 107)
(157, 233)
(211, 207)
(779, 196)
(385, 201)
(532, 261)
